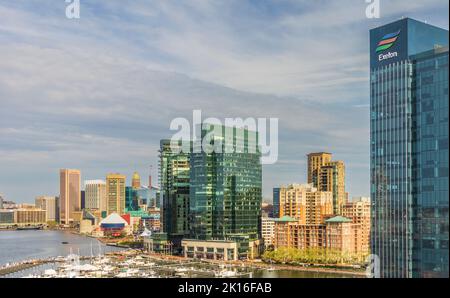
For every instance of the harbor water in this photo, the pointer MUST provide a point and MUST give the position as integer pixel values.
(35, 244)
(16, 246)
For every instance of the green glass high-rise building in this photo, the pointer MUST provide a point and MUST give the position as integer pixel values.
(409, 149)
(225, 186)
(174, 175)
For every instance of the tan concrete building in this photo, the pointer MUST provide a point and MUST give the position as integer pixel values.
(328, 175)
(359, 211)
(305, 203)
(315, 162)
(290, 233)
(115, 193)
(69, 194)
(95, 195)
(50, 205)
(337, 233)
(332, 178)
(268, 231)
(29, 216)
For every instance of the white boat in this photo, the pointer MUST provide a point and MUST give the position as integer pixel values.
(226, 273)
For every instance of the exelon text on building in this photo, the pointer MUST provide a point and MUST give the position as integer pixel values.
(409, 148)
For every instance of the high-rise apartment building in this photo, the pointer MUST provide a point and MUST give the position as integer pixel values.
(305, 203)
(115, 193)
(225, 192)
(315, 162)
(332, 178)
(174, 171)
(95, 195)
(50, 205)
(69, 195)
(409, 148)
(268, 231)
(327, 175)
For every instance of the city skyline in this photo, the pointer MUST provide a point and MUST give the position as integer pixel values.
(81, 115)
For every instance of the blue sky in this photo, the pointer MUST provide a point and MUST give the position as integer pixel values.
(98, 93)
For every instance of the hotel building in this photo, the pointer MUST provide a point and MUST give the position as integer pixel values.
(95, 195)
(69, 195)
(115, 194)
(409, 148)
(50, 205)
(29, 216)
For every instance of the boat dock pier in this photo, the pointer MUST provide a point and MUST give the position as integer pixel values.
(24, 265)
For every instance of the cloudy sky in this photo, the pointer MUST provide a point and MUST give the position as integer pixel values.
(99, 92)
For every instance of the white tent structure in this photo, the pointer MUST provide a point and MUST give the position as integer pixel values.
(113, 219)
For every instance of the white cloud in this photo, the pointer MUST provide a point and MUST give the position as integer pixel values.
(98, 93)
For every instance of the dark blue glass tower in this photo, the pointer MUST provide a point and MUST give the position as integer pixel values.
(409, 149)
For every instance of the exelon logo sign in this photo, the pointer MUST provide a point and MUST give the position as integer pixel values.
(385, 43)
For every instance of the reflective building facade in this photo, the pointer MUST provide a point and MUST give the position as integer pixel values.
(409, 149)
(174, 190)
(225, 194)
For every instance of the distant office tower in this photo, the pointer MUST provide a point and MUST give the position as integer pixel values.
(1, 201)
(225, 194)
(305, 203)
(409, 148)
(136, 181)
(50, 205)
(276, 202)
(328, 175)
(148, 196)
(115, 193)
(131, 199)
(69, 194)
(95, 195)
(83, 199)
(174, 169)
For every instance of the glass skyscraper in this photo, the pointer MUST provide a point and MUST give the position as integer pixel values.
(225, 192)
(409, 149)
(174, 191)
